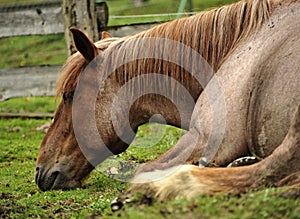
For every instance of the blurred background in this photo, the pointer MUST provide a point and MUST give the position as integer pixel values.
(34, 49)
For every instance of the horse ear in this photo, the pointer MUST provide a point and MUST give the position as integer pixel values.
(105, 35)
(84, 45)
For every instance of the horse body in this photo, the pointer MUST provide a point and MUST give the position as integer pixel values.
(262, 79)
(257, 81)
(261, 85)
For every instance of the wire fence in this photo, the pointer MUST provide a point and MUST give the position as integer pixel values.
(152, 15)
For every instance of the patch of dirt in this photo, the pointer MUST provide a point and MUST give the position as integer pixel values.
(16, 129)
(9, 206)
(8, 196)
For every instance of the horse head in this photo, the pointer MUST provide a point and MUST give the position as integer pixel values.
(61, 164)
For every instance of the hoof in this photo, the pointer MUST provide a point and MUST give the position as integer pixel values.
(243, 161)
(116, 204)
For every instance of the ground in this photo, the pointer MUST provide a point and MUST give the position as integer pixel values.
(20, 197)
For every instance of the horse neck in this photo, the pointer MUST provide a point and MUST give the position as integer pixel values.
(119, 113)
(124, 109)
(159, 109)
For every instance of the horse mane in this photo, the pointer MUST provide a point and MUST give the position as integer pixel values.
(74, 66)
(213, 34)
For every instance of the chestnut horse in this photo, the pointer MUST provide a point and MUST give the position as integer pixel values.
(239, 102)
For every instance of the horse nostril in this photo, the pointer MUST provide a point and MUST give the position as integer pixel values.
(37, 175)
(55, 173)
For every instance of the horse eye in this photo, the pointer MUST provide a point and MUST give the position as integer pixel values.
(64, 96)
(68, 96)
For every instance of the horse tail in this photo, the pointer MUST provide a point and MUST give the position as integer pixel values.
(281, 168)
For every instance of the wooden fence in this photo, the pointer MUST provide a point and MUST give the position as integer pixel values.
(43, 19)
(39, 19)
(28, 81)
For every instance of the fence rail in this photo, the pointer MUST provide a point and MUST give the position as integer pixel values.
(11, 8)
(44, 19)
(32, 21)
(28, 81)
(152, 15)
(40, 19)
(26, 115)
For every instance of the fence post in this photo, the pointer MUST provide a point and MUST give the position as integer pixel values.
(101, 14)
(80, 14)
(182, 6)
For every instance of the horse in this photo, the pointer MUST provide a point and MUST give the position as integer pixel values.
(229, 76)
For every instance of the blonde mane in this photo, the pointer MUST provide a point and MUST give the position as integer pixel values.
(216, 32)
(213, 34)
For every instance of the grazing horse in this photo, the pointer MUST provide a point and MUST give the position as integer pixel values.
(230, 76)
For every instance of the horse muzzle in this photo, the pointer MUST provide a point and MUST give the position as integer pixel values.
(53, 179)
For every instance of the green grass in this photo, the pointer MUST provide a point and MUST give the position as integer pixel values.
(20, 197)
(29, 105)
(32, 50)
(269, 203)
(20, 140)
(121, 7)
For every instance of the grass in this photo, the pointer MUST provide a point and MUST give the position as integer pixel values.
(123, 8)
(32, 51)
(19, 140)
(269, 203)
(29, 105)
(20, 197)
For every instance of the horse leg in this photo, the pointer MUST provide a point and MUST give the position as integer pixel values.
(189, 181)
(292, 180)
(284, 161)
